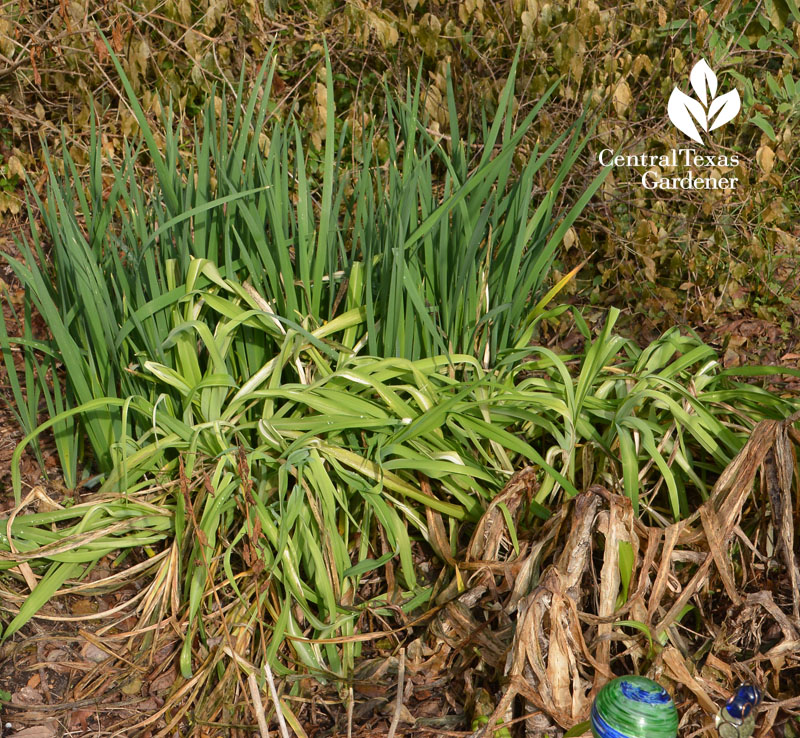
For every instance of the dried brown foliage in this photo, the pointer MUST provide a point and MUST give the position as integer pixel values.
(557, 636)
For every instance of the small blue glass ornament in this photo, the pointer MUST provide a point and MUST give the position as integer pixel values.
(737, 717)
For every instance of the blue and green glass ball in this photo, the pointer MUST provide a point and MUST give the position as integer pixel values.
(634, 707)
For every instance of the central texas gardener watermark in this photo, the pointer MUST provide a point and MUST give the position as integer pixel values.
(654, 179)
(689, 115)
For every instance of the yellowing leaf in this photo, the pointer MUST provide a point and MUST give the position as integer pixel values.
(15, 167)
(649, 268)
(6, 34)
(430, 21)
(134, 686)
(9, 203)
(321, 92)
(216, 9)
(641, 63)
(765, 157)
(185, 10)
(622, 97)
(569, 238)
(192, 41)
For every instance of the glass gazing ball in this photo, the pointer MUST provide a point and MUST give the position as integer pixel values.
(737, 717)
(634, 707)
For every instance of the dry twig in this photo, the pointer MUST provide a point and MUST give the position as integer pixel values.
(258, 706)
(398, 705)
(274, 693)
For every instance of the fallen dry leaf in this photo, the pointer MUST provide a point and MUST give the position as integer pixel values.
(78, 718)
(134, 686)
(83, 606)
(38, 731)
(677, 666)
(27, 696)
(163, 682)
(94, 654)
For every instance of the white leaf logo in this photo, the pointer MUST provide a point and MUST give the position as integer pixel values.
(703, 80)
(681, 108)
(725, 107)
(710, 112)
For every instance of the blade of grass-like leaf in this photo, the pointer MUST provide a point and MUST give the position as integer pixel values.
(510, 441)
(325, 213)
(165, 176)
(630, 466)
(389, 480)
(48, 585)
(569, 219)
